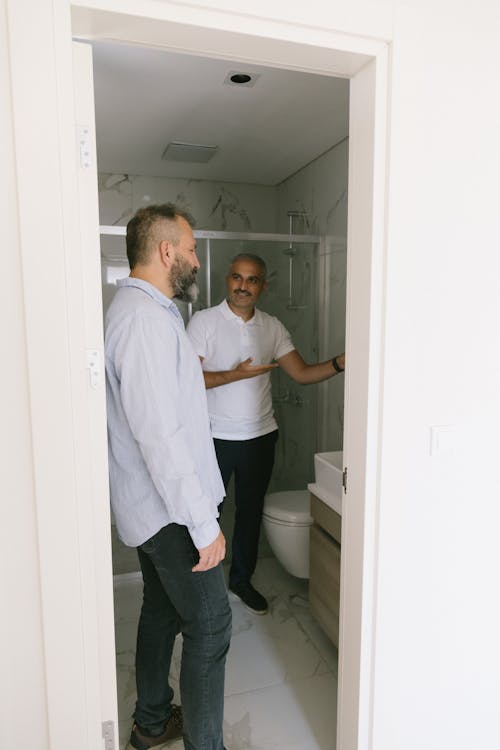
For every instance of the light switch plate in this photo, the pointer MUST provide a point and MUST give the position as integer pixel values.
(443, 439)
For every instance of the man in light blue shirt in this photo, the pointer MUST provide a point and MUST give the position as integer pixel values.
(166, 485)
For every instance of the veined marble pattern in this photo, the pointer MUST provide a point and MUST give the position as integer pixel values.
(237, 207)
(281, 672)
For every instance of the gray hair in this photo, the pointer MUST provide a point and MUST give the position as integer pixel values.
(253, 259)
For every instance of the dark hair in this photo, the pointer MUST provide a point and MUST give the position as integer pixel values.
(140, 230)
(254, 259)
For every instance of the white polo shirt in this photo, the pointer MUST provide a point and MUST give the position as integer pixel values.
(242, 410)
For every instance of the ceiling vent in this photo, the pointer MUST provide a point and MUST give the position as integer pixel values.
(241, 79)
(192, 152)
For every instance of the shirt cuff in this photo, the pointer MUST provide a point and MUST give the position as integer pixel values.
(205, 533)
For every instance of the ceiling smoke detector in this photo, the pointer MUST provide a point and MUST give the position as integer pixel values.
(241, 79)
(190, 152)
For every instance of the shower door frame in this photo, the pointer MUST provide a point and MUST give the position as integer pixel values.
(208, 234)
(53, 212)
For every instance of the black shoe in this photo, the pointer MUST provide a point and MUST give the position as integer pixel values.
(251, 598)
(171, 731)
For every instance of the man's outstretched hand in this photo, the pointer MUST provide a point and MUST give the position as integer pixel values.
(247, 370)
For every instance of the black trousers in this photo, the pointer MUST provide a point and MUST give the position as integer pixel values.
(252, 462)
(197, 604)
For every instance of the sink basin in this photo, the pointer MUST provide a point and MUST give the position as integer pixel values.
(328, 469)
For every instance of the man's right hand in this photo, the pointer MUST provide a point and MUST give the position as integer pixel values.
(247, 370)
(212, 555)
(241, 372)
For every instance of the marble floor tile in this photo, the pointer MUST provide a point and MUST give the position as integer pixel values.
(318, 638)
(281, 672)
(291, 596)
(268, 650)
(272, 580)
(297, 715)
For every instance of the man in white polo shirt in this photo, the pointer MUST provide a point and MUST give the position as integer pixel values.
(239, 346)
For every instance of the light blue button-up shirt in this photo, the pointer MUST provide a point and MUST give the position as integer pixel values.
(162, 462)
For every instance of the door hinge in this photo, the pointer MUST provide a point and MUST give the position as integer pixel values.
(108, 733)
(84, 138)
(344, 480)
(94, 367)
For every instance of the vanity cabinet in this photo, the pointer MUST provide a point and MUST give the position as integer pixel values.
(324, 575)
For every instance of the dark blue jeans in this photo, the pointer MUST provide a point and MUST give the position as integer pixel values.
(252, 463)
(196, 604)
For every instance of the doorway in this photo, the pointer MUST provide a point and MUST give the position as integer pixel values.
(270, 167)
(366, 64)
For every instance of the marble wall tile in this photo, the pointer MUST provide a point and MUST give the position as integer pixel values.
(219, 206)
(115, 198)
(319, 191)
(216, 206)
(295, 305)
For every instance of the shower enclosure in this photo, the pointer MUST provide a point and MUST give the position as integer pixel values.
(292, 296)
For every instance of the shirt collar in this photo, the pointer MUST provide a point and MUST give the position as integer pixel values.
(255, 320)
(151, 291)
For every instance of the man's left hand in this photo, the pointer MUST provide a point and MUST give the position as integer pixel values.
(212, 555)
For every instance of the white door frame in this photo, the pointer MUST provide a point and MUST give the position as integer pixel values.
(62, 310)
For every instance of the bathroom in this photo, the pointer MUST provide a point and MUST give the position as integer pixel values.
(307, 282)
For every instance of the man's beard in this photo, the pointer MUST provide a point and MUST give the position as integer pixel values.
(184, 281)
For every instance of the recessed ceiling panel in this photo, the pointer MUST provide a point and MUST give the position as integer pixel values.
(148, 98)
(194, 153)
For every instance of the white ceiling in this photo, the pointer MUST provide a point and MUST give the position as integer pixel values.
(146, 98)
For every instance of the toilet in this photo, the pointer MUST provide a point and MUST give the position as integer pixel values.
(287, 520)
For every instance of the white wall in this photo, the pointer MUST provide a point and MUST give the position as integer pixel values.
(21, 641)
(51, 655)
(437, 676)
(437, 661)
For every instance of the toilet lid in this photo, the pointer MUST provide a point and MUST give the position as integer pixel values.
(290, 506)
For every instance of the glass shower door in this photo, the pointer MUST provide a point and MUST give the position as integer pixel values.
(291, 297)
